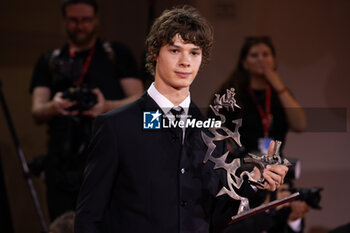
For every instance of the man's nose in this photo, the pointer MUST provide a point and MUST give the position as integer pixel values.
(80, 24)
(261, 57)
(185, 60)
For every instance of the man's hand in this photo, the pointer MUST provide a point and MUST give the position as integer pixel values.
(44, 108)
(273, 174)
(273, 77)
(62, 105)
(282, 192)
(299, 210)
(99, 107)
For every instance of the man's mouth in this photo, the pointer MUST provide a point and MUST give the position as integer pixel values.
(183, 74)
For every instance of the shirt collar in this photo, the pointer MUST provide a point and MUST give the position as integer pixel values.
(166, 104)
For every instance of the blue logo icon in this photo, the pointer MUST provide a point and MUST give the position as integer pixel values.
(151, 120)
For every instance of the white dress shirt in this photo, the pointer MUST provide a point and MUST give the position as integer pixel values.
(166, 105)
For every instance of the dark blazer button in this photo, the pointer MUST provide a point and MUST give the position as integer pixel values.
(183, 203)
(174, 138)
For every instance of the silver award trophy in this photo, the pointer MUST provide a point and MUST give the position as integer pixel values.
(232, 139)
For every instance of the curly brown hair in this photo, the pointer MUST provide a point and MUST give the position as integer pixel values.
(185, 21)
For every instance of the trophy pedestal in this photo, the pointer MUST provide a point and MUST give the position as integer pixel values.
(264, 207)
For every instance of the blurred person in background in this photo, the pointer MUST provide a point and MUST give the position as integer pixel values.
(269, 110)
(70, 87)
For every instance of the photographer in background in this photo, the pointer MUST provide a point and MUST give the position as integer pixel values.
(288, 218)
(71, 86)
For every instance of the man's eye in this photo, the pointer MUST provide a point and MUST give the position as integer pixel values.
(174, 51)
(195, 53)
(73, 20)
(87, 20)
(254, 55)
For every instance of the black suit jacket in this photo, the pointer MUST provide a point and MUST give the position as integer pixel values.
(139, 180)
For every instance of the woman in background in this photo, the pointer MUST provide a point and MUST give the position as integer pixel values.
(268, 108)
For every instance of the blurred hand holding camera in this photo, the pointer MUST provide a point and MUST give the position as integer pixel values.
(299, 209)
(63, 105)
(282, 192)
(99, 107)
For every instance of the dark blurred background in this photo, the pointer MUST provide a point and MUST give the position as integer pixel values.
(312, 43)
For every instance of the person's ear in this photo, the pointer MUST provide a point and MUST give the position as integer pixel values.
(155, 58)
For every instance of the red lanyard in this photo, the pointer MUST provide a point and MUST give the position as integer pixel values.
(85, 67)
(265, 115)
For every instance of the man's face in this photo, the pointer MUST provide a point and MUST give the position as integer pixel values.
(177, 65)
(80, 23)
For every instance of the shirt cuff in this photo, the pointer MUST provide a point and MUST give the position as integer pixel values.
(295, 225)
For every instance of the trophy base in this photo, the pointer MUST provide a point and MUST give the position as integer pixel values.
(264, 207)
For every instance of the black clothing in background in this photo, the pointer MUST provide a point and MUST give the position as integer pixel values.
(341, 229)
(69, 136)
(251, 129)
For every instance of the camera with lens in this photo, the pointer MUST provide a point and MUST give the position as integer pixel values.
(312, 196)
(68, 71)
(84, 97)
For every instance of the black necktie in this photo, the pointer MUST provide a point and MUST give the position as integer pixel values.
(177, 112)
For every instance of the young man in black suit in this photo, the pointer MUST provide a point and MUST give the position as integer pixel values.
(154, 180)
